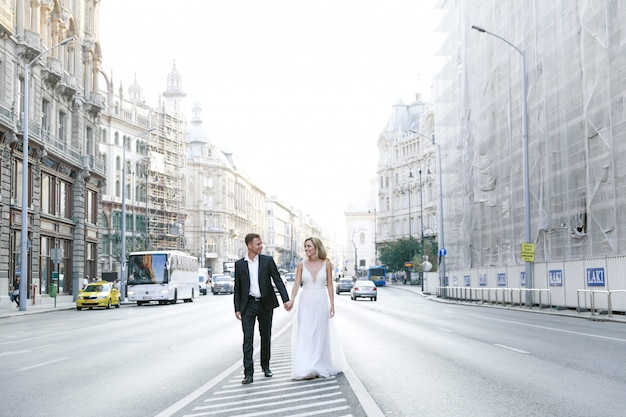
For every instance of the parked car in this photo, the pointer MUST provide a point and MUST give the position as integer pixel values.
(344, 285)
(364, 289)
(98, 294)
(291, 277)
(222, 284)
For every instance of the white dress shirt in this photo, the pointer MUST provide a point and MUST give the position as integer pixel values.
(253, 272)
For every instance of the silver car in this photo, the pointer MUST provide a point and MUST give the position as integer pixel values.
(364, 289)
(344, 285)
(222, 284)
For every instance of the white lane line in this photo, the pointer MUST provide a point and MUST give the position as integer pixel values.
(617, 339)
(284, 409)
(259, 402)
(299, 394)
(180, 404)
(444, 330)
(511, 348)
(39, 365)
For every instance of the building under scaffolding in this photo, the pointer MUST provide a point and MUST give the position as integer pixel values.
(156, 165)
(575, 59)
(166, 183)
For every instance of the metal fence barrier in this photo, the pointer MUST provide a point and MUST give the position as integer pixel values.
(499, 295)
(591, 296)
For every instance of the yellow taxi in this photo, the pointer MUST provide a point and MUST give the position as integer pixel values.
(98, 294)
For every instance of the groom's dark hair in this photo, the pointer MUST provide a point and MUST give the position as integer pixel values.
(251, 236)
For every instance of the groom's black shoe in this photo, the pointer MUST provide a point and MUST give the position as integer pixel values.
(247, 380)
(268, 373)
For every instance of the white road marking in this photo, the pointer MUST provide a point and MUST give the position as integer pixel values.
(511, 348)
(617, 339)
(39, 365)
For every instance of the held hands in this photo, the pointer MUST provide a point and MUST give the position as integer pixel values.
(288, 305)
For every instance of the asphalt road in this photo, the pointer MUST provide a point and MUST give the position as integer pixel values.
(412, 355)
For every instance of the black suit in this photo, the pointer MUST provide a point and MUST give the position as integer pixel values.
(262, 310)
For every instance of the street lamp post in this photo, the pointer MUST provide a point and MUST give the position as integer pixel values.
(356, 275)
(442, 246)
(410, 229)
(123, 255)
(421, 227)
(24, 238)
(527, 235)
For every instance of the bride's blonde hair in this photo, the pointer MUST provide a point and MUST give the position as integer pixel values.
(320, 252)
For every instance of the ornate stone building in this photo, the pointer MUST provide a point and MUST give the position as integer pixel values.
(223, 205)
(65, 171)
(407, 176)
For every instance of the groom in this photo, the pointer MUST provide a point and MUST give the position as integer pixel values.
(255, 300)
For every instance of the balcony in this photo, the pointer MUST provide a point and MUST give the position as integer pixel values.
(94, 104)
(69, 85)
(52, 72)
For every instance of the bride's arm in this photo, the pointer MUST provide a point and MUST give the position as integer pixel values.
(329, 287)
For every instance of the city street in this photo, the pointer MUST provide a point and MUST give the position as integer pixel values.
(409, 354)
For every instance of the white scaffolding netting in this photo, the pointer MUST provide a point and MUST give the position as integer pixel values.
(576, 75)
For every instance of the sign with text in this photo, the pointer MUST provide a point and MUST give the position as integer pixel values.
(501, 279)
(482, 279)
(556, 277)
(595, 277)
(466, 280)
(528, 252)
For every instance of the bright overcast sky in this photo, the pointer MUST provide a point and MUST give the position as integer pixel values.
(298, 90)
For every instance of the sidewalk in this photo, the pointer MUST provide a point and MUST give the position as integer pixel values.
(617, 318)
(43, 304)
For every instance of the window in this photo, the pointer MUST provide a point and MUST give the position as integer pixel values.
(45, 115)
(16, 196)
(89, 148)
(91, 211)
(62, 127)
(65, 199)
(48, 194)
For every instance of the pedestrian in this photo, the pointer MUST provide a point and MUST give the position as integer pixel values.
(85, 281)
(255, 300)
(317, 351)
(118, 285)
(15, 292)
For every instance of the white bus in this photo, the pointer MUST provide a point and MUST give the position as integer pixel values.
(163, 276)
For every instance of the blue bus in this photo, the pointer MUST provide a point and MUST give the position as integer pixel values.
(377, 274)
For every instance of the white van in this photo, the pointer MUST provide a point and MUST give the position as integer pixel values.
(203, 278)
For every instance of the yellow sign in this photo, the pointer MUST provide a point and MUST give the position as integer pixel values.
(408, 264)
(528, 252)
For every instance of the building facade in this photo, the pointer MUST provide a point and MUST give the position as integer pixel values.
(150, 173)
(574, 55)
(65, 171)
(407, 184)
(223, 205)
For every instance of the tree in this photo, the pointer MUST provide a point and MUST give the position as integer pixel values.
(394, 254)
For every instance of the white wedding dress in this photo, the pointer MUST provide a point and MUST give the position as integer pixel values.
(317, 349)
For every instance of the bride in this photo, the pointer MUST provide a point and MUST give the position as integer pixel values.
(317, 350)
